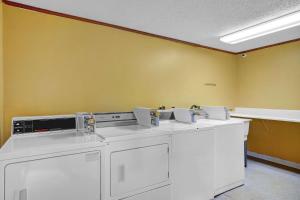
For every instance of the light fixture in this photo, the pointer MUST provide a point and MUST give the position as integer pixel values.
(275, 25)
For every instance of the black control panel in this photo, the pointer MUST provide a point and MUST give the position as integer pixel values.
(43, 125)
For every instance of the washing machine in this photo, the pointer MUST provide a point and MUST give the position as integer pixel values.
(137, 158)
(45, 158)
(192, 160)
(229, 153)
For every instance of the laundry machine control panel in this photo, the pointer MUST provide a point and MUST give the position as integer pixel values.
(42, 124)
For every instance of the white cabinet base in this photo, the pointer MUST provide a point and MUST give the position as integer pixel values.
(162, 193)
(229, 187)
(229, 157)
(192, 162)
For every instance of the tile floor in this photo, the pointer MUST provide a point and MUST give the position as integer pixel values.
(264, 182)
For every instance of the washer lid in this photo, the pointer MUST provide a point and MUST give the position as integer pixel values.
(123, 132)
(48, 143)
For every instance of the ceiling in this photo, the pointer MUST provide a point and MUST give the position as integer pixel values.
(196, 21)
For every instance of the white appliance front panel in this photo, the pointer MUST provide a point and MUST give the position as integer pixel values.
(138, 168)
(75, 177)
(192, 164)
(162, 193)
(229, 157)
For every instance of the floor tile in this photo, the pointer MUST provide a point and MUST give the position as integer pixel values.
(264, 182)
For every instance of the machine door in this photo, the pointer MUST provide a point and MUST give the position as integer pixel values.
(75, 177)
(139, 168)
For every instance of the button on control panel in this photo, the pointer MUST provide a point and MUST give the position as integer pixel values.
(21, 127)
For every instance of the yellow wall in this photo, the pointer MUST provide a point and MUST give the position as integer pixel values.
(270, 78)
(1, 72)
(276, 139)
(55, 65)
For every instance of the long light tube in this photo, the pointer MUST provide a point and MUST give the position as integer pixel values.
(272, 26)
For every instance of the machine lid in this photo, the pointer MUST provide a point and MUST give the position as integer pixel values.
(32, 144)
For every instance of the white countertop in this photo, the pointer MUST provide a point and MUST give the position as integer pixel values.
(222, 122)
(268, 114)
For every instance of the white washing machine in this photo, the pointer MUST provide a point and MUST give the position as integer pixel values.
(137, 159)
(192, 160)
(229, 153)
(46, 159)
(173, 161)
(192, 165)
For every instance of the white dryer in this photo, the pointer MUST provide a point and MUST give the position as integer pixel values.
(229, 153)
(137, 159)
(46, 159)
(192, 160)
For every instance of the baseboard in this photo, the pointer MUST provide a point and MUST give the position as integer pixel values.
(275, 160)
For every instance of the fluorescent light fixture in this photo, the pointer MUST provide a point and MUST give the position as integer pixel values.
(272, 26)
